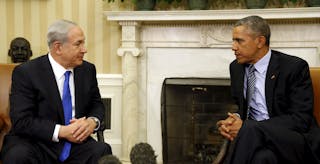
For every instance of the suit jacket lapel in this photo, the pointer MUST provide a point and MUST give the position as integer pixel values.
(51, 86)
(271, 78)
(78, 84)
(242, 102)
(238, 82)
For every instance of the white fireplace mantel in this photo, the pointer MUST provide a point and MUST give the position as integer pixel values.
(159, 44)
(198, 15)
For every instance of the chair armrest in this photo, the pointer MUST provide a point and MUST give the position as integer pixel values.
(5, 125)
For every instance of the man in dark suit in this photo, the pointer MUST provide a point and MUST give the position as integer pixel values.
(41, 130)
(274, 94)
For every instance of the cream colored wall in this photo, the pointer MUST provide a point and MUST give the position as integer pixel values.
(31, 18)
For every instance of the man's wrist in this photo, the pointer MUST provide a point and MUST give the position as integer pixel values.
(96, 121)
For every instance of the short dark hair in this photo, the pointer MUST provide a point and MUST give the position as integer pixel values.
(257, 25)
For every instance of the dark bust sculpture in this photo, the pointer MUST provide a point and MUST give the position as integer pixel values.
(20, 50)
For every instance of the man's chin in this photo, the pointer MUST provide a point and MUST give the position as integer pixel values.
(79, 62)
(239, 61)
(75, 64)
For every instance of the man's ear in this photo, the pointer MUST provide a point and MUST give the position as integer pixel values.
(57, 47)
(261, 41)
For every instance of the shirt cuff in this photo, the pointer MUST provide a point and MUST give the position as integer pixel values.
(55, 137)
(237, 114)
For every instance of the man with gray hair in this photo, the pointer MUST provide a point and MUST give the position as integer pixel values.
(55, 104)
(274, 95)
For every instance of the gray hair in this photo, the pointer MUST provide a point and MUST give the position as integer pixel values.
(257, 25)
(58, 31)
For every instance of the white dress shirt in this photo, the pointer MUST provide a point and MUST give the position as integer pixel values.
(59, 71)
(258, 101)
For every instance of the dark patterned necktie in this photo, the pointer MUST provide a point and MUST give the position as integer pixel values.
(67, 109)
(251, 80)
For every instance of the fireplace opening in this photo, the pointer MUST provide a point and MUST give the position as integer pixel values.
(190, 108)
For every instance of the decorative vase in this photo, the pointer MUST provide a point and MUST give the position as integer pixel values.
(198, 4)
(313, 3)
(256, 4)
(145, 5)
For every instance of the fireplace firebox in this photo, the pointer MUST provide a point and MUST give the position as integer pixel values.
(190, 108)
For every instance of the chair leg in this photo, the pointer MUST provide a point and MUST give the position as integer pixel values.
(222, 153)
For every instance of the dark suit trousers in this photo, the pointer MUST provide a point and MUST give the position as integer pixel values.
(260, 142)
(22, 151)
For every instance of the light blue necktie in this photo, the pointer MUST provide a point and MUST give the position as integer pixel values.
(251, 80)
(67, 110)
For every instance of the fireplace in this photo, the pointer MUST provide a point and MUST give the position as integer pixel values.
(157, 45)
(190, 108)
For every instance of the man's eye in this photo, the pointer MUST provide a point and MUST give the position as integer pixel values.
(240, 40)
(236, 40)
(78, 44)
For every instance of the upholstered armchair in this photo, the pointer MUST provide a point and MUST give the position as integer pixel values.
(5, 83)
(315, 77)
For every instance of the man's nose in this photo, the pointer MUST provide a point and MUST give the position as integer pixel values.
(234, 46)
(83, 49)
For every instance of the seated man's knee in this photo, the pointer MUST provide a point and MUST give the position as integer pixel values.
(102, 148)
(107, 149)
(249, 127)
(264, 156)
(19, 154)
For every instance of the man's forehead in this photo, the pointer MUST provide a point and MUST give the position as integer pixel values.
(76, 34)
